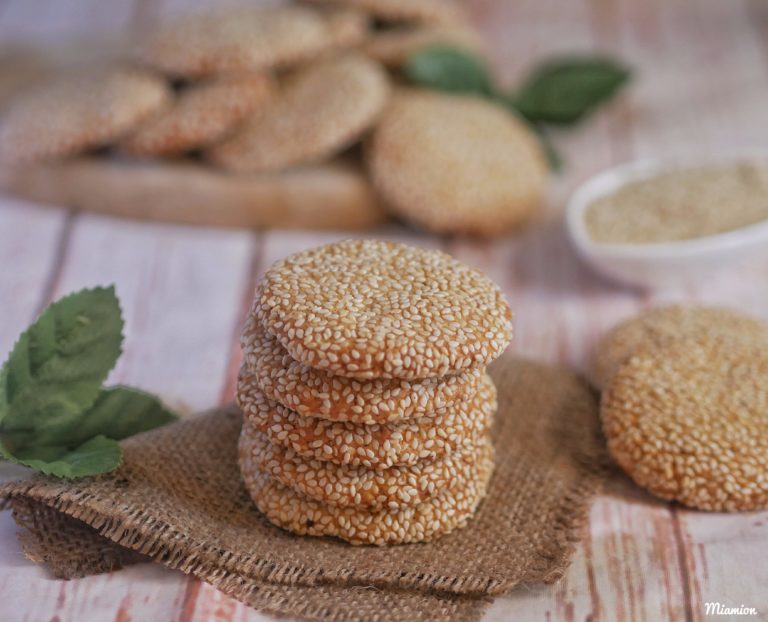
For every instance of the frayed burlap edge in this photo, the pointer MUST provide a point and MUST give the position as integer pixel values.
(49, 536)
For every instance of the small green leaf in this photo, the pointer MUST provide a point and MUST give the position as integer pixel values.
(564, 91)
(120, 412)
(57, 366)
(54, 416)
(449, 69)
(95, 456)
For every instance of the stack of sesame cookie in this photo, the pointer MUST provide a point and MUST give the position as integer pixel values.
(366, 404)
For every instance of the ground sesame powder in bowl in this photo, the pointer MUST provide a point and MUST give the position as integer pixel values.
(682, 205)
(665, 223)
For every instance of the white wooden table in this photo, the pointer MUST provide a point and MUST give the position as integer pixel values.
(701, 85)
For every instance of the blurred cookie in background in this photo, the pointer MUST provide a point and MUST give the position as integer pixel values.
(322, 109)
(405, 11)
(240, 39)
(202, 114)
(456, 164)
(347, 27)
(77, 111)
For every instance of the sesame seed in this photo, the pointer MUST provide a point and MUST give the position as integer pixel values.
(384, 445)
(388, 522)
(687, 421)
(345, 286)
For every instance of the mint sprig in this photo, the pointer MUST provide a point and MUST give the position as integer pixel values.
(55, 417)
(450, 69)
(565, 91)
(559, 92)
(97, 455)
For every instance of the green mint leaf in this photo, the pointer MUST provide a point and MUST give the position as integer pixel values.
(95, 456)
(120, 412)
(565, 91)
(445, 68)
(57, 366)
(117, 413)
(54, 416)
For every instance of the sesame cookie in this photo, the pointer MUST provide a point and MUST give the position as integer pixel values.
(375, 309)
(456, 164)
(405, 11)
(346, 27)
(426, 521)
(314, 392)
(394, 47)
(79, 111)
(203, 114)
(323, 109)
(689, 422)
(665, 325)
(236, 40)
(373, 489)
(379, 445)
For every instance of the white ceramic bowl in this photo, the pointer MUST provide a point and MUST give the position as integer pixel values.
(666, 264)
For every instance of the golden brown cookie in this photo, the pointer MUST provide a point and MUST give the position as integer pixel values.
(324, 108)
(394, 47)
(426, 521)
(372, 489)
(375, 309)
(346, 27)
(79, 111)
(253, 39)
(314, 392)
(405, 11)
(203, 114)
(665, 325)
(380, 445)
(456, 164)
(689, 422)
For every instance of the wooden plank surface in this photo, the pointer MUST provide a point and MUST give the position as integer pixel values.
(701, 86)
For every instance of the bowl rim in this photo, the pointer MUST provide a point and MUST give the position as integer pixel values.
(615, 177)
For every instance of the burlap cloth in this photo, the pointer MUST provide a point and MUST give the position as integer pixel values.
(178, 499)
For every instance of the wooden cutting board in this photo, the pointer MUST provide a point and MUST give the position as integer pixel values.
(336, 195)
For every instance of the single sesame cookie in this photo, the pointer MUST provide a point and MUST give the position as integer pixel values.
(313, 392)
(252, 39)
(405, 11)
(456, 164)
(346, 27)
(426, 521)
(372, 489)
(379, 445)
(665, 325)
(375, 309)
(689, 422)
(324, 108)
(79, 111)
(203, 114)
(394, 47)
